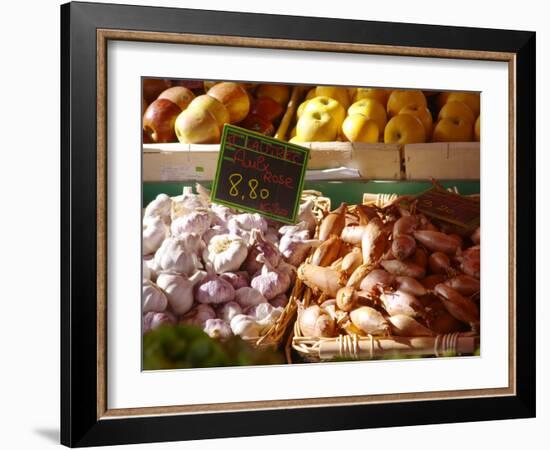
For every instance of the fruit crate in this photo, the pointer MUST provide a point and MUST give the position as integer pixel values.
(442, 161)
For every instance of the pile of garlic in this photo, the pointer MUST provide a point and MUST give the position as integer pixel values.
(227, 272)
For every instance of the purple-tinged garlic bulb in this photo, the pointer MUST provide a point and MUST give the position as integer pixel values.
(154, 232)
(217, 329)
(152, 298)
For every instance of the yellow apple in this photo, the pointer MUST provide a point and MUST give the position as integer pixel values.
(339, 94)
(310, 94)
(469, 98)
(209, 103)
(399, 98)
(358, 128)
(301, 108)
(197, 126)
(477, 131)
(423, 114)
(458, 112)
(381, 95)
(278, 92)
(234, 97)
(316, 126)
(328, 104)
(295, 140)
(404, 129)
(450, 130)
(371, 109)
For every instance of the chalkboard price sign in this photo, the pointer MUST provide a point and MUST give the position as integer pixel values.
(452, 208)
(257, 173)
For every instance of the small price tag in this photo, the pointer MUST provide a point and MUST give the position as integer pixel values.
(449, 207)
(257, 173)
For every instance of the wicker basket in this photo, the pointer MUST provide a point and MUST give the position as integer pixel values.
(274, 336)
(355, 347)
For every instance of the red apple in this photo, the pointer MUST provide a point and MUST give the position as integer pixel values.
(158, 120)
(234, 97)
(152, 87)
(258, 124)
(180, 95)
(267, 108)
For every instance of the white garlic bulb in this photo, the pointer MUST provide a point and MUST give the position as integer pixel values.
(179, 290)
(229, 310)
(245, 326)
(194, 222)
(179, 254)
(159, 207)
(226, 253)
(248, 296)
(217, 329)
(154, 232)
(152, 297)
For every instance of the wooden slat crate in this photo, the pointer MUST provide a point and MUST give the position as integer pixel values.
(442, 161)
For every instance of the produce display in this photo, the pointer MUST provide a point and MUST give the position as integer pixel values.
(330, 113)
(390, 272)
(194, 112)
(226, 272)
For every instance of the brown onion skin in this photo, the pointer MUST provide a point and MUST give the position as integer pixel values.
(403, 268)
(377, 277)
(410, 286)
(403, 246)
(405, 225)
(464, 284)
(457, 305)
(476, 236)
(431, 281)
(420, 257)
(470, 261)
(437, 241)
(439, 263)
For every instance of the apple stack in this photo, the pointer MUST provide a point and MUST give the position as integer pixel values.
(178, 114)
(330, 113)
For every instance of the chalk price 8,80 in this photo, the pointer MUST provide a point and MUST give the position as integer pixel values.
(236, 179)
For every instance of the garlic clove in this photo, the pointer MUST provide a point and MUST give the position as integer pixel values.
(178, 290)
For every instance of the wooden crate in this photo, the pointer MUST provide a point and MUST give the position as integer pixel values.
(179, 162)
(442, 161)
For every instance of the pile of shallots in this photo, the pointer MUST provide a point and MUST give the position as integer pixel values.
(226, 272)
(390, 271)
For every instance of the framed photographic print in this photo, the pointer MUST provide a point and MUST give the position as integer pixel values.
(261, 213)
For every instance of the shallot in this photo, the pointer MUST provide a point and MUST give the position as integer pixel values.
(333, 223)
(369, 321)
(403, 268)
(400, 302)
(377, 277)
(321, 278)
(327, 252)
(459, 307)
(410, 286)
(373, 242)
(403, 246)
(436, 241)
(464, 284)
(439, 262)
(315, 322)
(403, 325)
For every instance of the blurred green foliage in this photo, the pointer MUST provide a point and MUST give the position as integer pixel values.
(186, 347)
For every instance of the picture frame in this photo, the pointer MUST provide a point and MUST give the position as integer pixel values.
(86, 28)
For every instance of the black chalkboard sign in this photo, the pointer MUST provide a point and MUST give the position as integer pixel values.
(257, 173)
